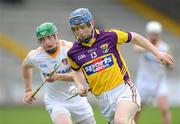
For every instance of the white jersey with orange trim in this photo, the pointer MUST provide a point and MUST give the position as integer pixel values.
(151, 77)
(45, 64)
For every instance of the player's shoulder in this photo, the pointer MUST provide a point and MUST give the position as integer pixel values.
(76, 46)
(66, 43)
(31, 56)
(34, 52)
(105, 31)
(115, 30)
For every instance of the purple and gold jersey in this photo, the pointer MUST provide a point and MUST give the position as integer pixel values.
(100, 60)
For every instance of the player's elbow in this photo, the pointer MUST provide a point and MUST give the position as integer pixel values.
(134, 36)
(138, 39)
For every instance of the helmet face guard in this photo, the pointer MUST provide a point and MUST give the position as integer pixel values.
(52, 38)
(88, 26)
(47, 30)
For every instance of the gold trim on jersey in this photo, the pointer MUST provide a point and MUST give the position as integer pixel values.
(72, 63)
(92, 41)
(122, 37)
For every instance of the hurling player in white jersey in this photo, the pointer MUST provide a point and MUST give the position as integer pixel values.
(151, 77)
(52, 53)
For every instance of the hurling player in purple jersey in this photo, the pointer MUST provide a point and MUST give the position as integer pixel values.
(96, 53)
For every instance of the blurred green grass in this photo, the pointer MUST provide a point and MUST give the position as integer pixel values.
(37, 115)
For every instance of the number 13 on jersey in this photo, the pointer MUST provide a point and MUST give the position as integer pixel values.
(93, 55)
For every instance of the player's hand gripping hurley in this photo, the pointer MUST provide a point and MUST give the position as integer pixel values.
(74, 95)
(50, 75)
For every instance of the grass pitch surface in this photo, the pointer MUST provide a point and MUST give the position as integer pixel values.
(38, 115)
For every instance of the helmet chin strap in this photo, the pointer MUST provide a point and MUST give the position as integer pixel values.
(51, 51)
(86, 40)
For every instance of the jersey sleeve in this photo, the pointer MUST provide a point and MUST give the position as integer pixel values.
(123, 37)
(29, 60)
(72, 63)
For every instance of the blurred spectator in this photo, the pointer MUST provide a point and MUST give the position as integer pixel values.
(151, 78)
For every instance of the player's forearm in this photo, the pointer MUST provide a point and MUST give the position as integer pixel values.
(27, 78)
(65, 77)
(79, 80)
(78, 77)
(138, 49)
(143, 42)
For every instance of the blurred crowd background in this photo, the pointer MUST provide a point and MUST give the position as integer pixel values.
(19, 18)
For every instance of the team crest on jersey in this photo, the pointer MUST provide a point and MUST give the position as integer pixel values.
(65, 61)
(104, 48)
(98, 65)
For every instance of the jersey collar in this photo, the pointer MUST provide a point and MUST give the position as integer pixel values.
(93, 40)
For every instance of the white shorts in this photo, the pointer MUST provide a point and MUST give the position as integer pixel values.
(109, 100)
(79, 110)
(150, 91)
